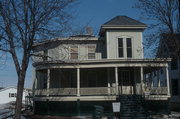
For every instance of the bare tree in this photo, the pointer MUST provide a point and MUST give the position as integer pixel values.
(164, 16)
(24, 22)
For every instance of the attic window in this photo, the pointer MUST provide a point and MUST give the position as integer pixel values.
(74, 52)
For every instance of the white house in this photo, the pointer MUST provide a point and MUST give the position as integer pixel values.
(78, 72)
(9, 95)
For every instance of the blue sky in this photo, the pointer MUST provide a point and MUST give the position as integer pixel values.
(91, 12)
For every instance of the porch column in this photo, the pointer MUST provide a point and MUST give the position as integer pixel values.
(167, 79)
(108, 78)
(48, 81)
(116, 79)
(78, 82)
(142, 84)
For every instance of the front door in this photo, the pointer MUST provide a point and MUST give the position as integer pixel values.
(126, 84)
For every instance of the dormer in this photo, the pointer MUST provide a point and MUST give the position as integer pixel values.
(123, 37)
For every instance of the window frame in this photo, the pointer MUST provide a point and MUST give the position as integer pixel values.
(91, 52)
(70, 53)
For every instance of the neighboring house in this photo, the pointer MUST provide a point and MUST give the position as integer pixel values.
(9, 95)
(169, 47)
(78, 72)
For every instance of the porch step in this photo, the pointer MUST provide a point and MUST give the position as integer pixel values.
(132, 107)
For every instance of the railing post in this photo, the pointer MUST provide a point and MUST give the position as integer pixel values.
(116, 79)
(48, 81)
(78, 82)
(167, 79)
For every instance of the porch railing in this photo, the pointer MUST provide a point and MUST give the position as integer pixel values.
(97, 91)
(156, 91)
(73, 91)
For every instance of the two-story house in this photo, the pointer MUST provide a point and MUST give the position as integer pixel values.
(78, 72)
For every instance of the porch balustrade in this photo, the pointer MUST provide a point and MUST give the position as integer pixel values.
(73, 91)
(156, 91)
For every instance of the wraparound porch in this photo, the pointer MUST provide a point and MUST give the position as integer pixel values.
(100, 81)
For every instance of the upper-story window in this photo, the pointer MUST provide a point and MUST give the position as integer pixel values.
(129, 47)
(91, 52)
(125, 47)
(120, 47)
(74, 52)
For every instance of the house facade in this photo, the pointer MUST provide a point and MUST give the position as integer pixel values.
(72, 75)
(9, 95)
(169, 47)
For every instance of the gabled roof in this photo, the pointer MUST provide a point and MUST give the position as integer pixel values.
(123, 21)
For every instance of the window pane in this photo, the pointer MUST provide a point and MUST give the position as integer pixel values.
(128, 41)
(129, 52)
(120, 52)
(120, 42)
(120, 47)
(129, 47)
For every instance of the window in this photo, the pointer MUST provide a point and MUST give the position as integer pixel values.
(174, 64)
(91, 52)
(74, 52)
(12, 95)
(120, 47)
(129, 47)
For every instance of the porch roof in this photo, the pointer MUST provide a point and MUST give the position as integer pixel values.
(157, 62)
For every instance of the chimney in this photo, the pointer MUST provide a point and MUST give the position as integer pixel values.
(89, 31)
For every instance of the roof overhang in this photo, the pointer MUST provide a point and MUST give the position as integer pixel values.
(121, 27)
(158, 62)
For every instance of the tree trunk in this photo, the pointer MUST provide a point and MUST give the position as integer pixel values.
(20, 88)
